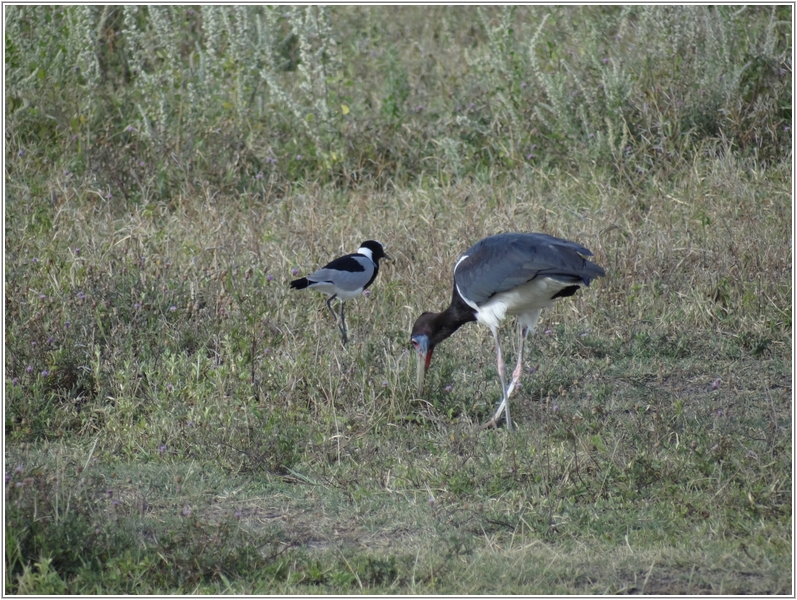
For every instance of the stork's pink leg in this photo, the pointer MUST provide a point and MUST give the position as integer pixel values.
(518, 372)
(502, 375)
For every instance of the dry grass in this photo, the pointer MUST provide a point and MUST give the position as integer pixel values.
(621, 429)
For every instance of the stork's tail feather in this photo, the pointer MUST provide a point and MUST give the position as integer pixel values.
(300, 284)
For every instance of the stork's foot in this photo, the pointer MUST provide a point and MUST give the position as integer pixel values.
(491, 424)
(495, 424)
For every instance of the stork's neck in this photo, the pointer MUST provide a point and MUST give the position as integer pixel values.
(447, 322)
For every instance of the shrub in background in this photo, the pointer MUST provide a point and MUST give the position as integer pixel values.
(139, 100)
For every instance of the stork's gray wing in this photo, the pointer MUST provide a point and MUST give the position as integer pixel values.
(504, 261)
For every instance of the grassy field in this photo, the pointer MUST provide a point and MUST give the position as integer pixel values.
(178, 421)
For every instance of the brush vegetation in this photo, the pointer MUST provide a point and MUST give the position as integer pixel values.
(178, 421)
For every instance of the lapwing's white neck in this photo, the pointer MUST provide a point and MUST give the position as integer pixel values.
(365, 252)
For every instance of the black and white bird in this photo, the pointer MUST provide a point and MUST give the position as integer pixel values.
(505, 274)
(345, 277)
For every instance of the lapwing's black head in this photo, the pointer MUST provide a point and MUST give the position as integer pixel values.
(375, 249)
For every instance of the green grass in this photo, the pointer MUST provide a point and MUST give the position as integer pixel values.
(178, 421)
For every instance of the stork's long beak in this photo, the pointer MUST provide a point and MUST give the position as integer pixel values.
(424, 358)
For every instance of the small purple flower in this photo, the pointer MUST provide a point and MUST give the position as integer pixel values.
(431, 501)
(8, 477)
(384, 383)
(109, 493)
(532, 370)
(21, 153)
(74, 137)
(471, 105)
(35, 260)
(238, 514)
(169, 387)
(50, 340)
(294, 271)
(555, 408)
(449, 388)
(108, 196)
(787, 129)
(591, 135)
(715, 384)
(459, 109)
(34, 343)
(259, 175)
(45, 373)
(190, 423)
(141, 163)
(523, 85)
(529, 156)
(298, 157)
(81, 296)
(269, 277)
(186, 512)
(605, 61)
(77, 251)
(547, 332)
(162, 448)
(42, 297)
(67, 324)
(367, 293)
(19, 470)
(172, 308)
(15, 381)
(130, 128)
(137, 306)
(419, 108)
(28, 369)
(115, 503)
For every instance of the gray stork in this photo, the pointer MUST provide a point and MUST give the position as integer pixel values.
(505, 274)
(345, 277)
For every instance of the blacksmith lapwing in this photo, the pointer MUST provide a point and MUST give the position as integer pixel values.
(345, 277)
(505, 274)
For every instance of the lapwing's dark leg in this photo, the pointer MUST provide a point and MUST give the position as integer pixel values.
(343, 323)
(329, 306)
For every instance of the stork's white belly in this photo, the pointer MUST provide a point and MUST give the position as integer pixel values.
(526, 301)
